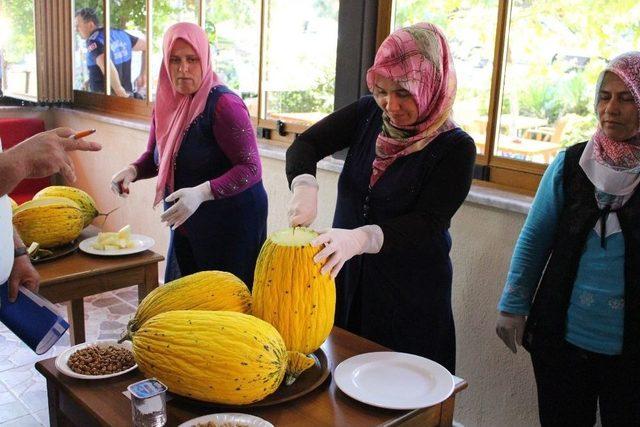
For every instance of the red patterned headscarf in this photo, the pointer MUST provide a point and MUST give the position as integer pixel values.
(419, 60)
(620, 155)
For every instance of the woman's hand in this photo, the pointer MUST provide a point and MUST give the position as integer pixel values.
(510, 328)
(187, 201)
(341, 245)
(302, 208)
(120, 181)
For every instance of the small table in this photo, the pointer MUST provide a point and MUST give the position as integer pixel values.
(521, 146)
(101, 402)
(73, 277)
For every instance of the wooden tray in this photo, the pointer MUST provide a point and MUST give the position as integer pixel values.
(308, 381)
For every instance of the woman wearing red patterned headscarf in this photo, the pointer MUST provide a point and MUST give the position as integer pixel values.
(572, 296)
(203, 149)
(408, 169)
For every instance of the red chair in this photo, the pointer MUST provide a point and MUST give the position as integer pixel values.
(12, 132)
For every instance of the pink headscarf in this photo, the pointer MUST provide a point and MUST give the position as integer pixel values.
(174, 111)
(419, 60)
(620, 155)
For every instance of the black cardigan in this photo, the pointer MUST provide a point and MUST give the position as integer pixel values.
(401, 296)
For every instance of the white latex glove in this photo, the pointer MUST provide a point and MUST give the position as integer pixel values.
(510, 328)
(120, 181)
(303, 205)
(341, 245)
(188, 200)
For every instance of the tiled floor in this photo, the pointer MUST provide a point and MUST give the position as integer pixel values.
(23, 391)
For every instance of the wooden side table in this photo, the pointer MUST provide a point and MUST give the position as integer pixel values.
(73, 277)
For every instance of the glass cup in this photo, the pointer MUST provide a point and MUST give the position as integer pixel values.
(148, 403)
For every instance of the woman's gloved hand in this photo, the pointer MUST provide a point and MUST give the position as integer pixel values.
(341, 245)
(510, 328)
(303, 205)
(120, 181)
(187, 201)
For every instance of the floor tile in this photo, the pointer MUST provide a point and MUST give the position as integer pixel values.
(105, 301)
(11, 411)
(27, 385)
(42, 416)
(26, 421)
(23, 396)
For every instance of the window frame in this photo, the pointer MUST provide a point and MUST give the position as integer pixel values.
(268, 128)
(520, 175)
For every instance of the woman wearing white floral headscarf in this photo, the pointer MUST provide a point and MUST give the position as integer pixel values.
(579, 253)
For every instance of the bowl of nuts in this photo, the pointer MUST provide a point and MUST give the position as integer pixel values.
(96, 360)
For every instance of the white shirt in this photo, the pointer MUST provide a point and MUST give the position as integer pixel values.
(6, 237)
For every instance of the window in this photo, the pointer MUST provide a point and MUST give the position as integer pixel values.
(470, 28)
(278, 55)
(127, 43)
(300, 60)
(165, 14)
(85, 12)
(526, 72)
(547, 99)
(128, 32)
(18, 72)
(234, 32)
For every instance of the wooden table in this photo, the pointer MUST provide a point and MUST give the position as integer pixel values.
(73, 277)
(525, 147)
(101, 402)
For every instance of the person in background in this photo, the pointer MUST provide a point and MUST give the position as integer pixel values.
(39, 156)
(579, 254)
(122, 46)
(408, 170)
(203, 149)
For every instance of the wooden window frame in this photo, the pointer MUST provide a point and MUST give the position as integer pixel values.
(519, 175)
(269, 128)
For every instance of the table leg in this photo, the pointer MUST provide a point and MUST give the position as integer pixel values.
(150, 281)
(52, 397)
(446, 416)
(75, 310)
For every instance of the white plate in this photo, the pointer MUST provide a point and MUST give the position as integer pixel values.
(63, 358)
(142, 244)
(394, 380)
(230, 418)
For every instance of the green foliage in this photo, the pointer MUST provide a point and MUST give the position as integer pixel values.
(317, 99)
(19, 13)
(239, 11)
(578, 129)
(541, 98)
(326, 9)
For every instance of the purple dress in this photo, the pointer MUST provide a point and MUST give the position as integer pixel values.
(226, 233)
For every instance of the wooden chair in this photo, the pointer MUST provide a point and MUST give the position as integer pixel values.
(547, 133)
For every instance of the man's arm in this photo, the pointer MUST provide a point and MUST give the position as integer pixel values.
(11, 171)
(116, 85)
(141, 80)
(39, 156)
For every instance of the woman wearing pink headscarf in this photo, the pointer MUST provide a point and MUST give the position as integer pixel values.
(203, 149)
(408, 169)
(572, 296)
